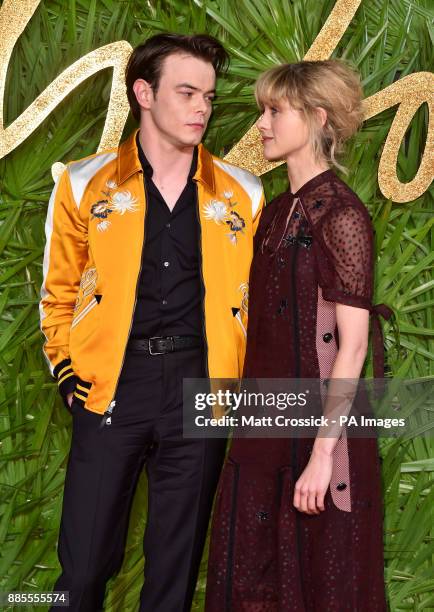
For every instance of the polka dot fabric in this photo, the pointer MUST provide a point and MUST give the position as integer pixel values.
(264, 555)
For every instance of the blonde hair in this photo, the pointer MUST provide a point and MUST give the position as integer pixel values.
(331, 84)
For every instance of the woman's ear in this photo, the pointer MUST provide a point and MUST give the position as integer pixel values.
(322, 115)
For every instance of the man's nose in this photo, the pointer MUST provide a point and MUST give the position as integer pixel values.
(201, 106)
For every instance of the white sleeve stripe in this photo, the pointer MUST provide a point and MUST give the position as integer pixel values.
(249, 182)
(48, 235)
(81, 172)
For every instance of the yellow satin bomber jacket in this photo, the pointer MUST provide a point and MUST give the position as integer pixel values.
(94, 239)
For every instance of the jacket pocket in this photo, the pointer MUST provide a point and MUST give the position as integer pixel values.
(83, 312)
(84, 336)
(240, 330)
(241, 320)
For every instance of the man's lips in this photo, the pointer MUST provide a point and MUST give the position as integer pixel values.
(196, 125)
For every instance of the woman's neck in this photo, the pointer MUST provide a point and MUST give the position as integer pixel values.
(303, 168)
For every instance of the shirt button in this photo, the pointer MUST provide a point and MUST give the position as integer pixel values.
(164, 302)
(167, 225)
(166, 264)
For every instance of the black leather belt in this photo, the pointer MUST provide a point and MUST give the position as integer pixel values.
(159, 345)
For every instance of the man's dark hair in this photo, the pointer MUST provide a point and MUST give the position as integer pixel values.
(147, 59)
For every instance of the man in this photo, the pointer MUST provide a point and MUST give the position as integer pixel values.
(145, 283)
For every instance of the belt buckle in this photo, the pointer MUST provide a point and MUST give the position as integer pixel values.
(149, 346)
(160, 338)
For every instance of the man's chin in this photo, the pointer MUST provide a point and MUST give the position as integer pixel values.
(191, 141)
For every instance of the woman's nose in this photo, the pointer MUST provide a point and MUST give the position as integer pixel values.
(260, 121)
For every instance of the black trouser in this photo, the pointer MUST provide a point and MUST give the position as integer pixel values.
(102, 472)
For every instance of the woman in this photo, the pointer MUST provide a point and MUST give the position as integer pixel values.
(298, 522)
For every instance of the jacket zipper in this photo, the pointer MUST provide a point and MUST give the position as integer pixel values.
(202, 282)
(106, 419)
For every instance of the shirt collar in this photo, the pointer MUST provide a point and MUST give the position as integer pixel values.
(202, 168)
(147, 168)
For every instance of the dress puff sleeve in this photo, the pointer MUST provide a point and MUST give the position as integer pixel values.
(345, 255)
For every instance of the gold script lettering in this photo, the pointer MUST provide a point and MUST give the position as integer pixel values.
(12, 24)
(410, 93)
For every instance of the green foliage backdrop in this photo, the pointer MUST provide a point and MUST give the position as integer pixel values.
(385, 41)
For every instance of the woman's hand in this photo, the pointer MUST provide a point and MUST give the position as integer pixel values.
(311, 487)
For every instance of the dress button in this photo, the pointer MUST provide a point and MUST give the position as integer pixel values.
(166, 264)
(164, 302)
(167, 225)
(327, 337)
(262, 516)
(341, 486)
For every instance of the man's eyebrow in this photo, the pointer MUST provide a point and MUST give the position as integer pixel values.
(194, 88)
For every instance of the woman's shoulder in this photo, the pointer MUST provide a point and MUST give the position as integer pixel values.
(334, 201)
(346, 196)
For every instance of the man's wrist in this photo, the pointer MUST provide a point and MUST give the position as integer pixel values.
(66, 379)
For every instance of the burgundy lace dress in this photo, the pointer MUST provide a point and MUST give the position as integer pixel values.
(265, 556)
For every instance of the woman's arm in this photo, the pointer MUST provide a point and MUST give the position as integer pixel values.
(353, 328)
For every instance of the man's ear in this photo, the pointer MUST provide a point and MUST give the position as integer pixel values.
(322, 115)
(143, 92)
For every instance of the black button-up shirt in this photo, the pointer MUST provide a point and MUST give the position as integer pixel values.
(169, 299)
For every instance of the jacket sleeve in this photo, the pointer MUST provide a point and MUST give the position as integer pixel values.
(65, 257)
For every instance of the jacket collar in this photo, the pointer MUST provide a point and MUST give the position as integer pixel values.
(205, 169)
(128, 158)
(129, 163)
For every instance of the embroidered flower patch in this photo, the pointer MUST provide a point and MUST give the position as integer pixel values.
(123, 202)
(220, 212)
(216, 211)
(119, 202)
(237, 224)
